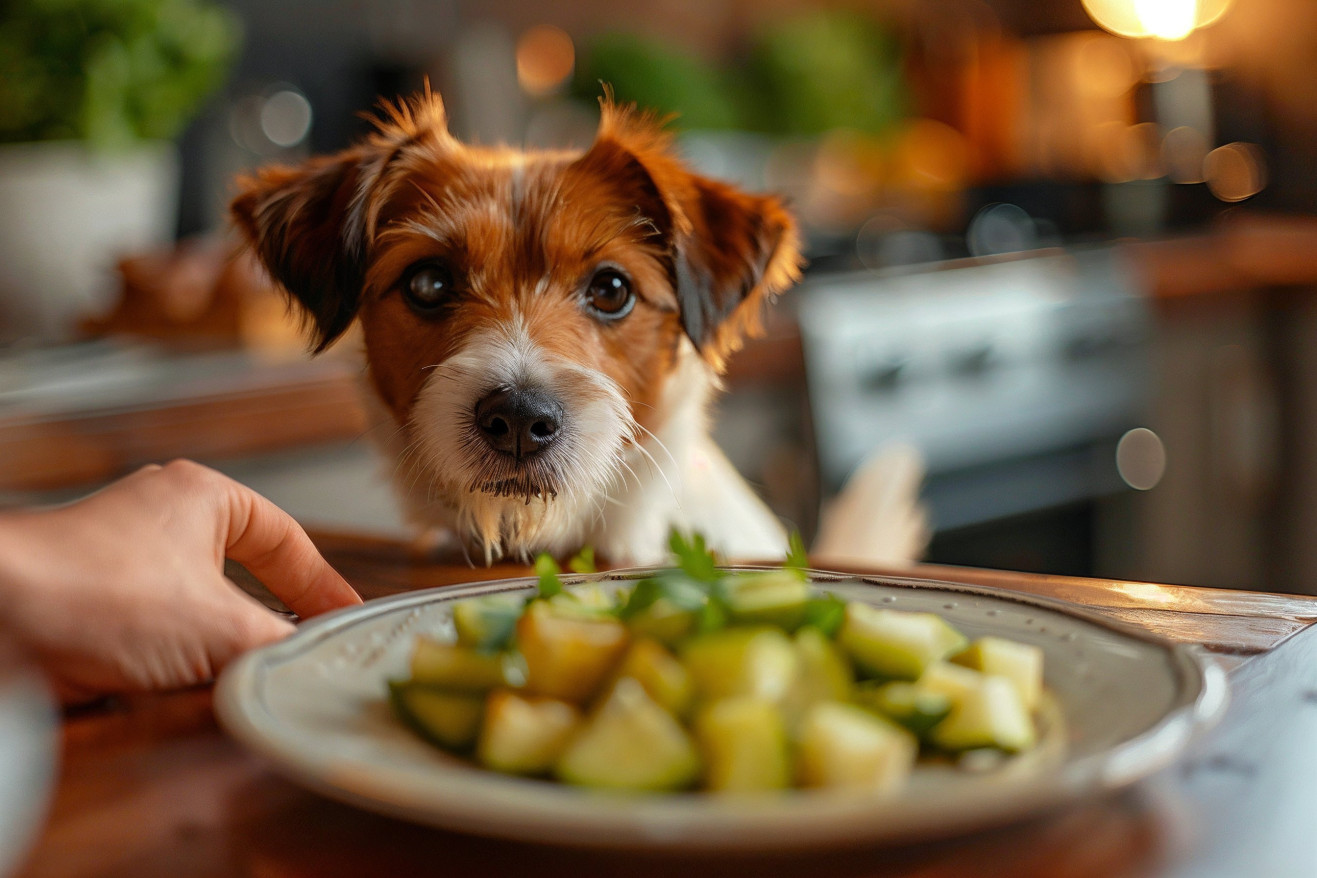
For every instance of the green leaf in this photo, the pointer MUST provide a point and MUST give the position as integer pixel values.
(683, 591)
(797, 557)
(642, 597)
(693, 557)
(583, 561)
(547, 570)
(825, 613)
(679, 589)
(712, 616)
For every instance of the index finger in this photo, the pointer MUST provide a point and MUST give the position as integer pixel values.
(269, 543)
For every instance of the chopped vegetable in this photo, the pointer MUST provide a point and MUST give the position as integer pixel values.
(665, 678)
(744, 744)
(989, 715)
(523, 735)
(486, 622)
(844, 746)
(664, 621)
(742, 661)
(775, 597)
(567, 657)
(631, 743)
(734, 681)
(460, 668)
(449, 719)
(1019, 662)
(894, 644)
(824, 672)
(915, 707)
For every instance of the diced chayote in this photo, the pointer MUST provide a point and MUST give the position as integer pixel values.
(744, 744)
(568, 657)
(630, 743)
(894, 644)
(449, 719)
(524, 735)
(842, 746)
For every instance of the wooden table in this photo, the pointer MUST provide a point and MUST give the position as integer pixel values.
(151, 787)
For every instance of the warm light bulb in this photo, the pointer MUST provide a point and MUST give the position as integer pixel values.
(1161, 19)
(1167, 19)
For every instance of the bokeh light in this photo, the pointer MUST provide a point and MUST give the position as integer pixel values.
(1235, 171)
(1141, 459)
(546, 57)
(286, 117)
(1184, 151)
(1001, 228)
(931, 154)
(271, 123)
(886, 241)
(1127, 152)
(1104, 66)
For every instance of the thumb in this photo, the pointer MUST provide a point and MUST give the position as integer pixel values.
(241, 623)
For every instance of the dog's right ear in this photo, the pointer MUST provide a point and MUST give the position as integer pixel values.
(308, 229)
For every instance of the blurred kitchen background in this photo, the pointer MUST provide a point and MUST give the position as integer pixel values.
(1064, 248)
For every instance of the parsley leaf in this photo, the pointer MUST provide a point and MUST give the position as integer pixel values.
(797, 558)
(547, 570)
(583, 561)
(674, 586)
(825, 613)
(693, 557)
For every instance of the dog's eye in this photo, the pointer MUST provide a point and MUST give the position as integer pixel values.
(609, 294)
(428, 286)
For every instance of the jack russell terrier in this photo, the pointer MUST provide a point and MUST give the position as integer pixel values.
(543, 331)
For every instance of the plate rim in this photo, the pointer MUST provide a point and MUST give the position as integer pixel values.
(667, 822)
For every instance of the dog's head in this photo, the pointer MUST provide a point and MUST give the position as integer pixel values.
(522, 312)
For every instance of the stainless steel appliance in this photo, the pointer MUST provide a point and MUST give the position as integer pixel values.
(1015, 379)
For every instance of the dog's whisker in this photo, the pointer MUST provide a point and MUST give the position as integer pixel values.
(657, 441)
(659, 469)
(626, 467)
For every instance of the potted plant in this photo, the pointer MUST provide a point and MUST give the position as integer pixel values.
(92, 95)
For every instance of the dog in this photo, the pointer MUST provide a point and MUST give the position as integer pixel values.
(543, 330)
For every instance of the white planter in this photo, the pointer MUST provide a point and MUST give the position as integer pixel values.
(66, 216)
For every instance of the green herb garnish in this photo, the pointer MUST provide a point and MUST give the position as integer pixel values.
(583, 561)
(548, 572)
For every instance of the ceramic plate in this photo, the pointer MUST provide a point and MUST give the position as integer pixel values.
(1124, 704)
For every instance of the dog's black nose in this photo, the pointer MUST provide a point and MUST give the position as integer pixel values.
(519, 422)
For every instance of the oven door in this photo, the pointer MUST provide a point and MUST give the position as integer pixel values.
(1015, 381)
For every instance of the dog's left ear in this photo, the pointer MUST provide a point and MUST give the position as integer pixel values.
(731, 251)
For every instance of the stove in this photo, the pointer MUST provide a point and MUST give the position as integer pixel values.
(1015, 379)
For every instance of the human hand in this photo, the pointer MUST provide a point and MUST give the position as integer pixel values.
(125, 590)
